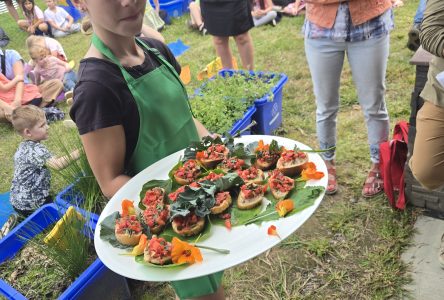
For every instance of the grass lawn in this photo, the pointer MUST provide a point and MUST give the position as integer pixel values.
(350, 248)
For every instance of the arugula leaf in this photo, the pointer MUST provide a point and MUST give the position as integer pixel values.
(165, 184)
(107, 228)
(139, 259)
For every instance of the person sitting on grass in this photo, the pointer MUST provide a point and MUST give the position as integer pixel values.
(196, 20)
(47, 67)
(263, 13)
(52, 45)
(35, 20)
(61, 22)
(32, 178)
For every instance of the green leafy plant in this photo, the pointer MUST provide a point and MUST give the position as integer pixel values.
(224, 100)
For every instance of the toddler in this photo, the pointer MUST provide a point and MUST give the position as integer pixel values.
(31, 181)
(47, 67)
(61, 22)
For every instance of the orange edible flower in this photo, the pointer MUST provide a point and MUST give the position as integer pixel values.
(182, 252)
(227, 223)
(200, 154)
(310, 172)
(128, 208)
(138, 249)
(261, 146)
(272, 231)
(283, 207)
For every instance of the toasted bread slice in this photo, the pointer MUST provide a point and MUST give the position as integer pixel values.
(245, 201)
(279, 194)
(280, 185)
(258, 179)
(293, 169)
(182, 181)
(150, 255)
(128, 239)
(188, 230)
(217, 209)
(212, 163)
(264, 164)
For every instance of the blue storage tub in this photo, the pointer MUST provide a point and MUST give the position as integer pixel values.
(268, 113)
(68, 197)
(72, 10)
(174, 8)
(95, 282)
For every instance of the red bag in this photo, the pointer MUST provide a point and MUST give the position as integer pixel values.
(393, 155)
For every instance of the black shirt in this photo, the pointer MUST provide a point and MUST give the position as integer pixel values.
(102, 98)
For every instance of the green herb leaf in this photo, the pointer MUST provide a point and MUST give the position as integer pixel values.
(107, 228)
(165, 184)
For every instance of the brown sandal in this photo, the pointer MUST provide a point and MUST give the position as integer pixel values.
(373, 182)
(332, 185)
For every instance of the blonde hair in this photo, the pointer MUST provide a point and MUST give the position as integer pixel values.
(38, 52)
(33, 40)
(26, 116)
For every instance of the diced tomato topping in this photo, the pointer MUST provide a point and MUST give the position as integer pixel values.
(153, 196)
(189, 171)
(280, 182)
(251, 190)
(221, 197)
(216, 151)
(187, 221)
(248, 174)
(154, 217)
(173, 196)
(233, 163)
(227, 223)
(291, 155)
(128, 224)
(159, 247)
(212, 177)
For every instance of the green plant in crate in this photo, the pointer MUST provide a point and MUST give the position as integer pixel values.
(224, 100)
(79, 173)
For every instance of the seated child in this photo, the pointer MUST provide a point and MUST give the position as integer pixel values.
(47, 67)
(196, 21)
(263, 12)
(35, 20)
(31, 181)
(61, 22)
(53, 46)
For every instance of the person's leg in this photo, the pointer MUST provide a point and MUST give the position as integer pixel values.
(245, 47)
(74, 28)
(427, 161)
(23, 24)
(43, 27)
(196, 15)
(325, 60)
(58, 33)
(368, 62)
(269, 17)
(419, 15)
(11, 9)
(221, 43)
(69, 81)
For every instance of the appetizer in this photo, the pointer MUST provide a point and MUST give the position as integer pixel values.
(212, 177)
(250, 196)
(211, 157)
(291, 163)
(187, 173)
(267, 155)
(280, 185)
(232, 164)
(157, 251)
(173, 195)
(155, 217)
(252, 174)
(223, 201)
(188, 225)
(154, 196)
(128, 230)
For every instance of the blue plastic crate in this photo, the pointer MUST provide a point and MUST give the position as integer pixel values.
(239, 124)
(95, 282)
(268, 113)
(68, 197)
(72, 10)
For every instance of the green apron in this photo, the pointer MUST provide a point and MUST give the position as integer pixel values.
(166, 126)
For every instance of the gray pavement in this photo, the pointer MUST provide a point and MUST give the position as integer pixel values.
(422, 255)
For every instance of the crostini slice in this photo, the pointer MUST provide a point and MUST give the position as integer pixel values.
(233, 163)
(156, 217)
(157, 251)
(187, 173)
(189, 225)
(280, 185)
(154, 197)
(250, 196)
(223, 201)
(252, 174)
(291, 163)
(267, 155)
(212, 156)
(128, 230)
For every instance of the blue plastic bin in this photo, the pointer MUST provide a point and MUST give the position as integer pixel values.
(174, 8)
(68, 197)
(72, 10)
(268, 113)
(95, 282)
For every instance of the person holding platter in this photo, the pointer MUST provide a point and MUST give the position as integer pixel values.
(131, 109)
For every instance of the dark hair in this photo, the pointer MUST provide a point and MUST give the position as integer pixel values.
(28, 14)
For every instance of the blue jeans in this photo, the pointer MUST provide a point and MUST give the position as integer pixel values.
(420, 12)
(69, 81)
(368, 63)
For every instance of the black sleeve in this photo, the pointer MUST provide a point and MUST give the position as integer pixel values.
(165, 51)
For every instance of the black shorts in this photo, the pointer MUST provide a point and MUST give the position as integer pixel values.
(227, 18)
